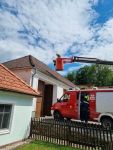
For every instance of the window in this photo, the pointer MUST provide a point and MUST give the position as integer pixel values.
(5, 115)
(65, 98)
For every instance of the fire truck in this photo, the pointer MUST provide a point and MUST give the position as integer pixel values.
(100, 100)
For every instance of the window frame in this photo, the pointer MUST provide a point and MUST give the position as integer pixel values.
(8, 130)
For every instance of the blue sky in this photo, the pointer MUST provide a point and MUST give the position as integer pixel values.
(105, 11)
(43, 28)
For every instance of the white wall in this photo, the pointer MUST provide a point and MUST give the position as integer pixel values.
(54, 94)
(21, 116)
(59, 91)
(34, 86)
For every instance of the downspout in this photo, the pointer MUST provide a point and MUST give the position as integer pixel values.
(33, 74)
(32, 77)
(34, 69)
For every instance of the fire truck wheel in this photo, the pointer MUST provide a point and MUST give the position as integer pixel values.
(107, 122)
(57, 116)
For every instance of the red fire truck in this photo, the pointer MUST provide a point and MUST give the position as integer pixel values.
(100, 100)
(100, 105)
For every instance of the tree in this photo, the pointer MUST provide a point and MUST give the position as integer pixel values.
(104, 76)
(82, 75)
(72, 76)
(96, 75)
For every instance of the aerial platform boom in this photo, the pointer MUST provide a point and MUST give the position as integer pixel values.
(59, 62)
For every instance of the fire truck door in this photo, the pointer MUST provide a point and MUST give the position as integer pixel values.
(65, 106)
(74, 105)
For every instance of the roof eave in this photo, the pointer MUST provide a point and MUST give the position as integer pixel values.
(20, 92)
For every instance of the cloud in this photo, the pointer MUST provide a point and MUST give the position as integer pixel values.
(43, 28)
(101, 45)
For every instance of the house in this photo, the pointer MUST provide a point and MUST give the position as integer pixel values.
(38, 75)
(15, 107)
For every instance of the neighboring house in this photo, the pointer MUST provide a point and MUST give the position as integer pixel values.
(41, 77)
(16, 98)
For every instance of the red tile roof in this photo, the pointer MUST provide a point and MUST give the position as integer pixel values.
(10, 82)
(30, 62)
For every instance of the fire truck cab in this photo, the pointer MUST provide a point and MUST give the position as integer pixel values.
(100, 106)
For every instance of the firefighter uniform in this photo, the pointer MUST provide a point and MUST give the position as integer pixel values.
(87, 98)
(85, 109)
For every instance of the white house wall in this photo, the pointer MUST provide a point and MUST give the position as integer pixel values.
(54, 94)
(60, 91)
(57, 93)
(21, 115)
(35, 86)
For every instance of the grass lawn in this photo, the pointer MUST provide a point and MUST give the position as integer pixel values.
(44, 146)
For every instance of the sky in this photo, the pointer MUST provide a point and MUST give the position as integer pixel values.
(43, 28)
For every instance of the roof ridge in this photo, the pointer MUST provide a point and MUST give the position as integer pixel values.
(19, 78)
(16, 59)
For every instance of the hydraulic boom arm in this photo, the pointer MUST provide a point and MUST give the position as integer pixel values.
(59, 62)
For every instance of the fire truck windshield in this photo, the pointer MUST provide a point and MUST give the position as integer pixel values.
(65, 98)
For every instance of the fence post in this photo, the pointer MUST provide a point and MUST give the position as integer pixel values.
(68, 133)
(109, 142)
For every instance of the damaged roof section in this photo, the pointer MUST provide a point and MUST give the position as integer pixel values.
(10, 82)
(30, 62)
